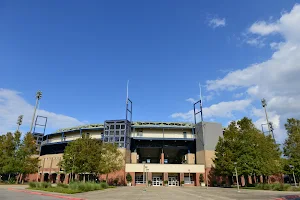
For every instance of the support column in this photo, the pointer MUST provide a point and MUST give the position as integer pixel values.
(67, 177)
(150, 176)
(242, 181)
(181, 177)
(165, 176)
(162, 158)
(197, 179)
(58, 178)
(250, 179)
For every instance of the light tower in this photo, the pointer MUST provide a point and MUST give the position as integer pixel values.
(264, 105)
(19, 122)
(38, 96)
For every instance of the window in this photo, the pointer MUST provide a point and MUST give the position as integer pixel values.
(122, 132)
(139, 179)
(123, 126)
(112, 127)
(111, 139)
(122, 139)
(117, 132)
(148, 160)
(140, 133)
(111, 133)
(117, 126)
(106, 139)
(184, 134)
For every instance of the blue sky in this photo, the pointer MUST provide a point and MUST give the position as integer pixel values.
(81, 54)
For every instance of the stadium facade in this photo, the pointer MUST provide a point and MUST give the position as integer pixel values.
(156, 151)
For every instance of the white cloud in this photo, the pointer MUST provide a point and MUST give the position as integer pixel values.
(12, 104)
(239, 95)
(217, 22)
(222, 109)
(263, 28)
(277, 78)
(191, 100)
(275, 45)
(258, 42)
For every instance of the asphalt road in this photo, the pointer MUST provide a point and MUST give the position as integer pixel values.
(6, 194)
(150, 193)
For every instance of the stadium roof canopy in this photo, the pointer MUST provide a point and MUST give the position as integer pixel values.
(134, 124)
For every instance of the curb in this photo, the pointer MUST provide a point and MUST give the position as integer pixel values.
(289, 197)
(46, 194)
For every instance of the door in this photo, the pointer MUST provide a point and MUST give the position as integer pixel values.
(156, 181)
(172, 181)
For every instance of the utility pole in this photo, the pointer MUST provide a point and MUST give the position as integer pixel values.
(237, 177)
(19, 122)
(38, 96)
(295, 182)
(264, 105)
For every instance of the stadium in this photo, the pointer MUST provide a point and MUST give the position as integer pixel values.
(160, 152)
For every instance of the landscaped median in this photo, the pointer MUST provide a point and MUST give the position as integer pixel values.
(273, 187)
(72, 188)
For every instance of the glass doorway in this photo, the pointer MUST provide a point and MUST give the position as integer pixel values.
(173, 181)
(156, 181)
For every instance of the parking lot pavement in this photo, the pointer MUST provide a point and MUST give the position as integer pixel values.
(162, 193)
(6, 194)
(179, 193)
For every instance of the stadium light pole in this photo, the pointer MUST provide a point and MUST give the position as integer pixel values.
(38, 96)
(19, 122)
(237, 177)
(264, 105)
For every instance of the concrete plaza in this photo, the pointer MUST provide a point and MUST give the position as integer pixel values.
(162, 193)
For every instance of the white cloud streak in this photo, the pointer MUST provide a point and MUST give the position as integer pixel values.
(277, 78)
(12, 104)
(217, 22)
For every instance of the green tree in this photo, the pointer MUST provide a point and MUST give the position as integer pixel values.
(254, 153)
(27, 157)
(291, 148)
(87, 155)
(111, 159)
(82, 156)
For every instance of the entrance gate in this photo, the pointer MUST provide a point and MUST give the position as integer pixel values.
(173, 181)
(156, 181)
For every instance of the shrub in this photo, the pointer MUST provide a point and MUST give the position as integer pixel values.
(11, 181)
(104, 185)
(275, 187)
(181, 182)
(201, 178)
(165, 182)
(116, 180)
(149, 182)
(33, 184)
(45, 185)
(128, 178)
(62, 185)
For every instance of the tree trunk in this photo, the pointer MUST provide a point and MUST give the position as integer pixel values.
(8, 176)
(22, 177)
(84, 177)
(88, 177)
(106, 178)
(17, 179)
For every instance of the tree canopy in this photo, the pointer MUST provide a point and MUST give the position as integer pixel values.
(254, 152)
(18, 156)
(87, 155)
(291, 148)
